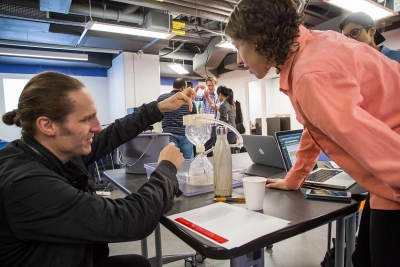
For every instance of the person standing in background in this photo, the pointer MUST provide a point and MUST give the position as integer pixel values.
(227, 111)
(173, 121)
(361, 27)
(239, 118)
(210, 104)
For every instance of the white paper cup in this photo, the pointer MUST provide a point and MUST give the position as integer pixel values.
(254, 192)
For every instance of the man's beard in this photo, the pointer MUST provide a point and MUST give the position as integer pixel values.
(65, 131)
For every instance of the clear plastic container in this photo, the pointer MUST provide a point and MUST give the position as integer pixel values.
(190, 189)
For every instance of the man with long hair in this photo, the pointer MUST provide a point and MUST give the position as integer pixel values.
(50, 214)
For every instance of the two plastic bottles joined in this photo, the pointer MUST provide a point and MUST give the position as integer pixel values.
(198, 131)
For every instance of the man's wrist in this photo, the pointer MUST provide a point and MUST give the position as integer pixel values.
(161, 107)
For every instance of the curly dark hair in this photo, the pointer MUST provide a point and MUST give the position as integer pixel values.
(272, 25)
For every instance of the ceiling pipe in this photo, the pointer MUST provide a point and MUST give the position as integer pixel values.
(130, 9)
(110, 14)
(174, 8)
(215, 4)
(198, 6)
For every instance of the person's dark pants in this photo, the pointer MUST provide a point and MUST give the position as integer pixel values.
(124, 261)
(232, 141)
(378, 243)
(211, 142)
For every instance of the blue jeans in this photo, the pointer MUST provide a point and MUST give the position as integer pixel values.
(184, 145)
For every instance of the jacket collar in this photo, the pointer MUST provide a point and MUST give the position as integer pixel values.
(74, 170)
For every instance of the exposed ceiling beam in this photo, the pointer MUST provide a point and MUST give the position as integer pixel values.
(199, 7)
(175, 8)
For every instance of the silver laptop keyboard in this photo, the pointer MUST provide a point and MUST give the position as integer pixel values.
(322, 175)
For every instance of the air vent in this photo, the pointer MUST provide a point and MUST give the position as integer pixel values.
(26, 11)
(157, 21)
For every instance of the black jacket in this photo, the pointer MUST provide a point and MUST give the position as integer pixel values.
(48, 215)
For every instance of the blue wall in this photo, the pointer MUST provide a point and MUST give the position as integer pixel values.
(31, 69)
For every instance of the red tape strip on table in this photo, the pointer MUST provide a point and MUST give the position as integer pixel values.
(202, 231)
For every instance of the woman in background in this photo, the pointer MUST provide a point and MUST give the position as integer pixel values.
(227, 110)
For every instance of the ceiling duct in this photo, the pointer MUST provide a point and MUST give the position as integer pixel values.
(218, 4)
(24, 26)
(157, 21)
(176, 9)
(166, 71)
(59, 6)
(230, 63)
(110, 14)
(199, 7)
(210, 60)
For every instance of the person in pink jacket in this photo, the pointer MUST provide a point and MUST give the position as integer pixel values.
(345, 94)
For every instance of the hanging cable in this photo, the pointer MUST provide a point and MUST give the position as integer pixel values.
(174, 50)
(201, 38)
(90, 10)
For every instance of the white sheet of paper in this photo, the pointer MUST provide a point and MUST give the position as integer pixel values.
(233, 222)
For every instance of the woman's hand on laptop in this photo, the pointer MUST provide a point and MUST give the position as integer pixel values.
(277, 183)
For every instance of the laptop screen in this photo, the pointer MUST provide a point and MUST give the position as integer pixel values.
(289, 142)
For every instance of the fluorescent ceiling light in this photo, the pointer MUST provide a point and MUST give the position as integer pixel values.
(42, 54)
(375, 10)
(104, 27)
(225, 44)
(178, 68)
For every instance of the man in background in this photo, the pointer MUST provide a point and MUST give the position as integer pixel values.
(361, 27)
(173, 121)
(209, 106)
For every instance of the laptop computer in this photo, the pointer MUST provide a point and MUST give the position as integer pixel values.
(289, 142)
(264, 152)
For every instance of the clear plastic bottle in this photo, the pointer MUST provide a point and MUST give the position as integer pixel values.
(200, 171)
(222, 164)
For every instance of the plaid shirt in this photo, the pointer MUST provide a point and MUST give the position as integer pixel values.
(206, 107)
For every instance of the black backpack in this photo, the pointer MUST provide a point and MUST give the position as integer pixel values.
(329, 259)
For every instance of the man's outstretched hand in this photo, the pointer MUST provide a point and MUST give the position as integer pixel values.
(177, 100)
